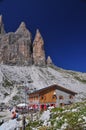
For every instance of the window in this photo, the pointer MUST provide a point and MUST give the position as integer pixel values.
(61, 104)
(42, 97)
(71, 96)
(61, 97)
(54, 97)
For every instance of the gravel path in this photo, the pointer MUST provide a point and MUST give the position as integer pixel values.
(5, 115)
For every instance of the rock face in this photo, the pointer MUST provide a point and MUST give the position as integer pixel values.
(16, 48)
(49, 61)
(23, 31)
(2, 31)
(38, 50)
(24, 45)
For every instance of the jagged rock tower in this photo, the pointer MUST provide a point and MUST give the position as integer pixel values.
(38, 50)
(2, 31)
(24, 45)
(16, 48)
(49, 61)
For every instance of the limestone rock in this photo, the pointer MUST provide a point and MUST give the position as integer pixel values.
(16, 48)
(38, 50)
(49, 61)
(23, 31)
(25, 51)
(24, 45)
(2, 31)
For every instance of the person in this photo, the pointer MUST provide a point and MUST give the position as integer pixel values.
(13, 115)
(17, 114)
(23, 122)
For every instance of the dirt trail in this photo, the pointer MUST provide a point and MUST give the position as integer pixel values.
(5, 115)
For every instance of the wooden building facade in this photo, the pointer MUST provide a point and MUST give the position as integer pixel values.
(53, 95)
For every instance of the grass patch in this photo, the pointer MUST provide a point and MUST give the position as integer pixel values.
(79, 79)
(56, 68)
(57, 109)
(6, 94)
(32, 124)
(16, 98)
(7, 83)
(2, 116)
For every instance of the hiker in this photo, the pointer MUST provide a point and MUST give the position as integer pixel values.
(23, 122)
(13, 115)
(17, 114)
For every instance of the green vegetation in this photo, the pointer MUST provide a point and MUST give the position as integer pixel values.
(79, 79)
(72, 117)
(2, 116)
(56, 68)
(6, 94)
(7, 83)
(57, 109)
(45, 128)
(34, 124)
(16, 98)
(72, 73)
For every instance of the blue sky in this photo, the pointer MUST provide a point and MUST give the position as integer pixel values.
(62, 24)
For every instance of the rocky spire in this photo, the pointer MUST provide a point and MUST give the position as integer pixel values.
(23, 31)
(16, 47)
(2, 31)
(49, 61)
(38, 50)
(24, 44)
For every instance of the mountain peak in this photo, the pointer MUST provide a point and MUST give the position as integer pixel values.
(0, 19)
(38, 50)
(49, 61)
(23, 25)
(38, 37)
(23, 31)
(38, 32)
(16, 48)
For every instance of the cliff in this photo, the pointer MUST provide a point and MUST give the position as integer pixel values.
(16, 48)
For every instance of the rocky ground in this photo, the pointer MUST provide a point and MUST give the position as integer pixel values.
(5, 115)
(72, 117)
(11, 78)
